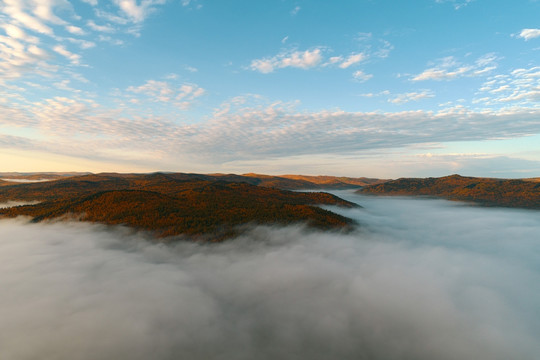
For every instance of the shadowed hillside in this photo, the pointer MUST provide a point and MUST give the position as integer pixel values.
(172, 204)
(485, 191)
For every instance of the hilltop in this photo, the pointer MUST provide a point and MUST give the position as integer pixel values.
(485, 191)
(201, 206)
(314, 182)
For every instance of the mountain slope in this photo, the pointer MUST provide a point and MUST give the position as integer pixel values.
(172, 205)
(485, 191)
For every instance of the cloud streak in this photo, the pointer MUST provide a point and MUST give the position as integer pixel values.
(420, 280)
(449, 68)
(317, 57)
(519, 86)
(295, 59)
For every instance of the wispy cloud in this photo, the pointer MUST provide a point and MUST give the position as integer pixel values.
(322, 57)
(24, 13)
(163, 91)
(32, 37)
(449, 68)
(21, 54)
(135, 11)
(457, 4)
(75, 30)
(73, 58)
(352, 59)
(520, 86)
(306, 60)
(249, 133)
(100, 28)
(84, 44)
(297, 59)
(361, 76)
(411, 96)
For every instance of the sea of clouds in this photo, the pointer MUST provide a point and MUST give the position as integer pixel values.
(420, 279)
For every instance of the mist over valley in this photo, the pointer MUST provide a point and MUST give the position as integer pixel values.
(417, 279)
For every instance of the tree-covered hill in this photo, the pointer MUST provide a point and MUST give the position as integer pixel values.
(486, 191)
(170, 204)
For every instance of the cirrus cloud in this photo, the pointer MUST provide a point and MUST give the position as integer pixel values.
(449, 68)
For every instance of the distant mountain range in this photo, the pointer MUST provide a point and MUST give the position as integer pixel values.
(524, 193)
(288, 182)
(38, 175)
(201, 206)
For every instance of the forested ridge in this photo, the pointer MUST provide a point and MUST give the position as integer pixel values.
(172, 204)
(524, 193)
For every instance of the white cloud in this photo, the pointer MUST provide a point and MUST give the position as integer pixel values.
(411, 96)
(449, 68)
(303, 60)
(296, 59)
(362, 76)
(84, 44)
(189, 2)
(263, 65)
(101, 28)
(37, 52)
(370, 95)
(163, 91)
(30, 27)
(352, 59)
(278, 131)
(458, 4)
(130, 7)
(110, 40)
(295, 10)
(138, 12)
(111, 17)
(18, 33)
(316, 57)
(529, 34)
(18, 57)
(245, 131)
(335, 60)
(520, 86)
(364, 36)
(384, 49)
(74, 58)
(44, 9)
(75, 30)
(17, 12)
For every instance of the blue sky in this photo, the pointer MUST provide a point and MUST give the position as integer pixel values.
(357, 88)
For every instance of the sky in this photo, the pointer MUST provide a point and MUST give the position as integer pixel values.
(354, 88)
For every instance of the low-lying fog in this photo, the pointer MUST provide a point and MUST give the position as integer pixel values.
(8, 204)
(421, 279)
